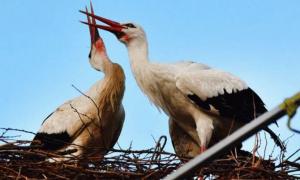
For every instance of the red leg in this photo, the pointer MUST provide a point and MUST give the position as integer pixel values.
(202, 149)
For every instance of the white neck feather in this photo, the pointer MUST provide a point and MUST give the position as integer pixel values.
(142, 70)
(100, 62)
(138, 54)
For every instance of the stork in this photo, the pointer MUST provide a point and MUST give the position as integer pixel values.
(195, 96)
(186, 145)
(91, 123)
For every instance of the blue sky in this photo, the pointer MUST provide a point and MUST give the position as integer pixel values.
(44, 49)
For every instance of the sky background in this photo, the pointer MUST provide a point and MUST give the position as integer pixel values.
(44, 50)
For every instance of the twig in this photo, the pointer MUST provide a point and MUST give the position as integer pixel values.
(152, 163)
(98, 111)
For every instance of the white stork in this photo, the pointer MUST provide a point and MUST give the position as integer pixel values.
(186, 145)
(198, 98)
(90, 123)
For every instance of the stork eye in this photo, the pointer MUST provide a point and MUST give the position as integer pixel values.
(130, 25)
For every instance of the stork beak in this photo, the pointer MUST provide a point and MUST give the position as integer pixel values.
(96, 41)
(93, 30)
(113, 27)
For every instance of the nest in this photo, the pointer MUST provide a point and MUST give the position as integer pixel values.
(152, 163)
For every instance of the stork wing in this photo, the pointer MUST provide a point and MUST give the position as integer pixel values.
(117, 132)
(62, 126)
(221, 93)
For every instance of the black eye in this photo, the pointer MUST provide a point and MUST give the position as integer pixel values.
(130, 25)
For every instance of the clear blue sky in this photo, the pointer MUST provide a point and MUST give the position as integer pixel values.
(44, 49)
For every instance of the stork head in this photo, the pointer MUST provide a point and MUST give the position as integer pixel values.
(127, 33)
(130, 33)
(97, 55)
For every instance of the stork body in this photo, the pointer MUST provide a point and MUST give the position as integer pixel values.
(198, 98)
(162, 83)
(91, 123)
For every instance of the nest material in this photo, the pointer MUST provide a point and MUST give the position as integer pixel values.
(153, 163)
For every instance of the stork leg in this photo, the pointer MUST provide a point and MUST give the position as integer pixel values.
(204, 127)
(202, 149)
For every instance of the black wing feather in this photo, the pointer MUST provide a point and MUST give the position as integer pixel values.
(244, 105)
(51, 142)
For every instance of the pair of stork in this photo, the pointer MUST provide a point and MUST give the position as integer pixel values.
(204, 105)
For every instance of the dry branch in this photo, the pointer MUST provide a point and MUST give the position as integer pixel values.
(16, 162)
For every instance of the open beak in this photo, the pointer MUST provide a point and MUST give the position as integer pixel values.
(113, 27)
(93, 30)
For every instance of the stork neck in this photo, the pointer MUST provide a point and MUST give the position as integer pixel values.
(107, 65)
(113, 89)
(138, 54)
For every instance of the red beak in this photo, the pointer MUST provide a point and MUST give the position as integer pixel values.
(96, 40)
(114, 27)
(93, 30)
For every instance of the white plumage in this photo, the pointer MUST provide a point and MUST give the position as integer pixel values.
(200, 100)
(208, 83)
(92, 122)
